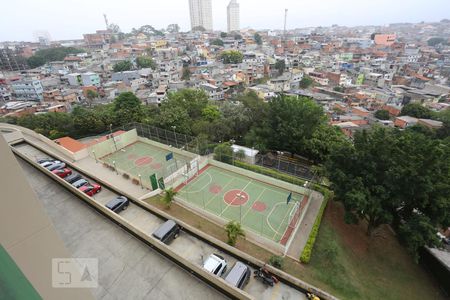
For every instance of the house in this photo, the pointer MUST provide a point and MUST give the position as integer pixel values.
(27, 90)
(360, 111)
(432, 124)
(214, 92)
(405, 121)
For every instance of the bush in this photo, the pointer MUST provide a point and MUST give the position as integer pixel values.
(135, 181)
(126, 176)
(276, 261)
(307, 251)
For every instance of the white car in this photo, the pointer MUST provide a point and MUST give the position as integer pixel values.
(215, 264)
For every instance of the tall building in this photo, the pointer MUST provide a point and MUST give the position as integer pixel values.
(201, 14)
(233, 16)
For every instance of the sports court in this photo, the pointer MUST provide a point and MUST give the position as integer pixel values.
(144, 159)
(259, 206)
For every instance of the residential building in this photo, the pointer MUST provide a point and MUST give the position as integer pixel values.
(384, 39)
(201, 14)
(233, 16)
(85, 79)
(405, 121)
(27, 90)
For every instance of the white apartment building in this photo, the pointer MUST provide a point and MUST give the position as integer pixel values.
(233, 16)
(27, 90)
(201, 14)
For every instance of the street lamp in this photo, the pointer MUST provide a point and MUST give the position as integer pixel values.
(140, 180)
(112, 136)
(279, 158)
(175, 135)
(115, 168)
(240, 196)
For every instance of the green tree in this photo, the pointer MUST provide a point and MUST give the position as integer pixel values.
(234, 230)
(91, 95)
(306, 82)
(237, 36)
(416, 110)
(358, 176)
(186, 73)
(87, 122)
(210, 113)
(198, 28)
(122, 66)
(224, 153)
(169, 196)
(43, 56)
(173, 28)
(322, 142)
(339, 89)
(257, 38)
(145, 62)
(127, 108)
(231, 57)
(217, 42)
(382, 114)
(223, 34)
(436, 41)
(280, 65)
(292, 122)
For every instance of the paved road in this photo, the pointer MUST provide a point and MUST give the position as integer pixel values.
(128, 269)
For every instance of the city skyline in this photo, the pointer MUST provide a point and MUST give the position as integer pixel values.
(71, 24)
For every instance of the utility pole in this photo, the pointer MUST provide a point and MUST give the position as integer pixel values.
(284, 31)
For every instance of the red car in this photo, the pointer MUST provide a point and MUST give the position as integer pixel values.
(62, 172)
(90, 189)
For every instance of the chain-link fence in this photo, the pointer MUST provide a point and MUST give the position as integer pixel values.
(282, 164)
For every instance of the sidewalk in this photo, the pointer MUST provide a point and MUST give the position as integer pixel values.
(302, 235)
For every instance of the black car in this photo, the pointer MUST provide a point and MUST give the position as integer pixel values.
(118, 204)
(56, 166)
(43, 160)
(167, 231)
(72, 178)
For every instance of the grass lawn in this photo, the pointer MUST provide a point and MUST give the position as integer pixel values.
(345, 262)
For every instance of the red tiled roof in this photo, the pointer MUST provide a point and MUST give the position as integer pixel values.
(70, 144)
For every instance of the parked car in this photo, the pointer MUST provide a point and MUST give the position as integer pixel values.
(43, 160)
(215, 264)
(118, 204)
(91, 189)
(72, 178)
(62, 172)
(167, 231)
(46, 164)
(56, 166)
(80, 182)
(239, 275)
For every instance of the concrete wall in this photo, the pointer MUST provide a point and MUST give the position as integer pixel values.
(27, 233)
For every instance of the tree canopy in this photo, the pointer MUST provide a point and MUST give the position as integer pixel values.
(382, 114)
(231, 57)
(416, 110)
(43, 56)
(280, 66)
(306, 82)
(145, 62)
(121, 66)
(257, 38)
(217, 42)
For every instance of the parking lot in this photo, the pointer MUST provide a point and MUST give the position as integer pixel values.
(185, 245)
(127, 267)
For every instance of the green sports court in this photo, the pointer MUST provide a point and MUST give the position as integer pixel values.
(145, 159)
(259, 206)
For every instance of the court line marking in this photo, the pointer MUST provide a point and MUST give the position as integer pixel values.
(210, 200)
(282, 221)
(197, 178)
(256, 199)
(267, 218)
(229, 204)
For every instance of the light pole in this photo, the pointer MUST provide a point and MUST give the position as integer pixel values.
(175, 135)
(240, 197)
(279, 158)
(140, 180)
(112, 136)
(115, 168)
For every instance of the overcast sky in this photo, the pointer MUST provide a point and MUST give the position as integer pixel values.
(69, 19)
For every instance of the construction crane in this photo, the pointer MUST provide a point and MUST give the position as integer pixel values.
(106, 21)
